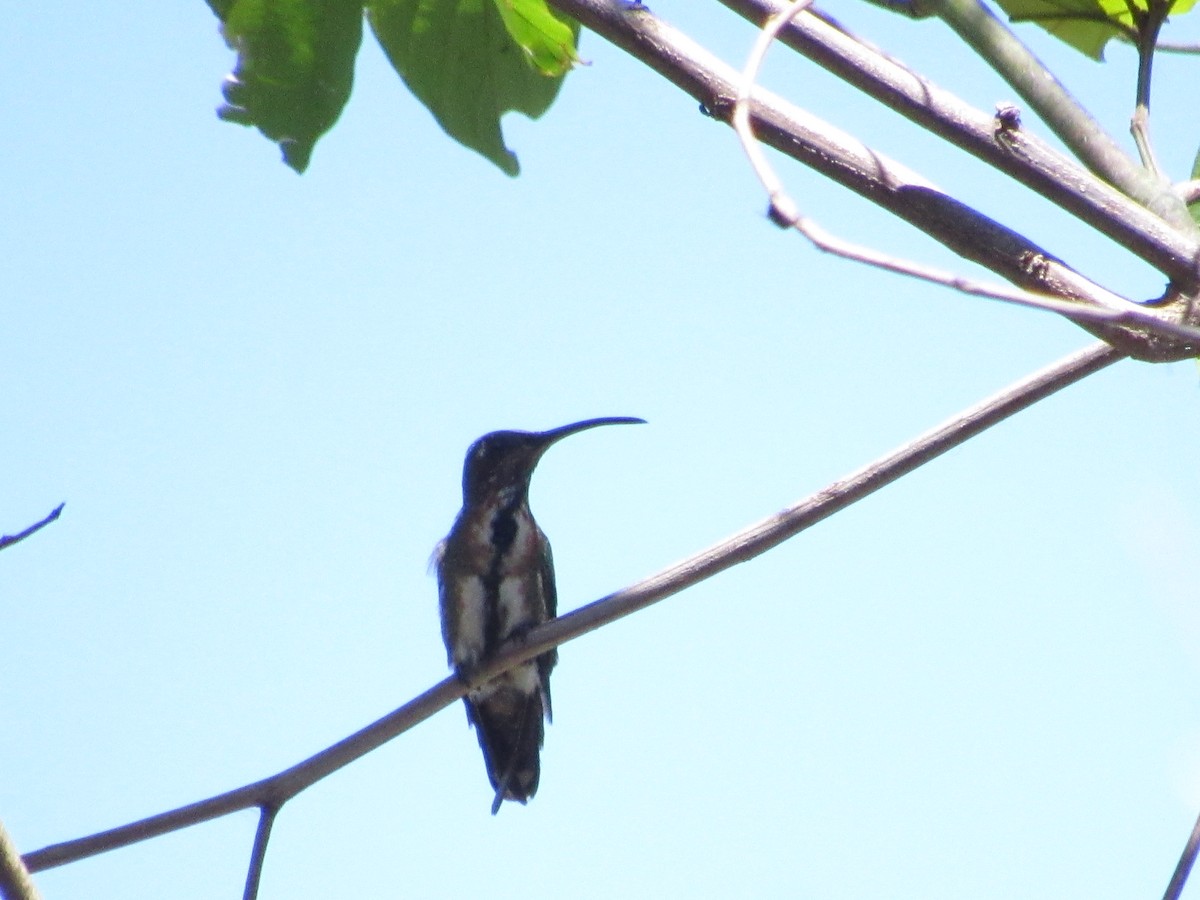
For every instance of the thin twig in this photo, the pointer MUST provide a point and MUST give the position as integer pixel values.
(747, 544)
(15, 883)
(266, 818)
(8, 540)
(1184, 867)
(1139, 128)
(1148, 23)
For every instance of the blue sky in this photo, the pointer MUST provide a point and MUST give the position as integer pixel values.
(254, 391)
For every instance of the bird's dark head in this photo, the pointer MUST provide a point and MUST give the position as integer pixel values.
(505, 460)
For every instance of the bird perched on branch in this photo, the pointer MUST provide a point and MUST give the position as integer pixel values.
(496, 583)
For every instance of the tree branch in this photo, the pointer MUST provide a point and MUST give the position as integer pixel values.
(884, 182)
(8, 540)
(15, 883)
(1016, 152)
(274, 791)
(1173, 47)
(784, 211)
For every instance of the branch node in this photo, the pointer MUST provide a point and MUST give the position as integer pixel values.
(783, 211)
(1007, 121)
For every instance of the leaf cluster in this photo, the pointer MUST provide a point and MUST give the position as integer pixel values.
(468, 61)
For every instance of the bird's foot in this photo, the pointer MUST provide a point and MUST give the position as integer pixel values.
(468, 674)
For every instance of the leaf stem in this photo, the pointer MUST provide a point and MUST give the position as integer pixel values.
(1148, 24)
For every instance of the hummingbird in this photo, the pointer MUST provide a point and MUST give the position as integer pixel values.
(495, 583)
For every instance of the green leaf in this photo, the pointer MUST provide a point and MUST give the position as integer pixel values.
(548, 42)
(221, 8)
(294, 70)
(459, 58)
(1087, 25)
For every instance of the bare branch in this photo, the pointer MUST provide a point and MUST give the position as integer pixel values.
(8, 540)
(773, 531)
(15, 883)
(273, 792)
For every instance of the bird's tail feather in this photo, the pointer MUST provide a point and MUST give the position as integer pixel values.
(508, 723)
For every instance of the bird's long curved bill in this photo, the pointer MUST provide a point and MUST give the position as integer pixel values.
(557, 434)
